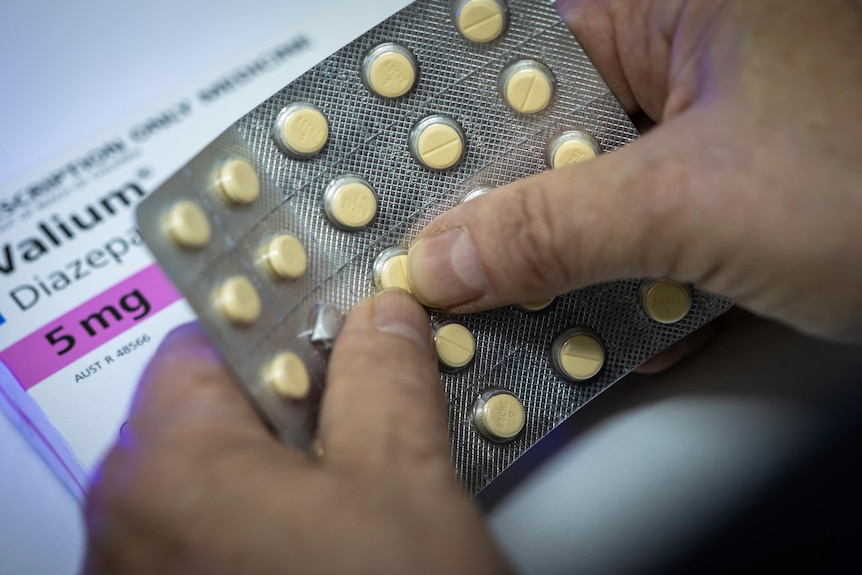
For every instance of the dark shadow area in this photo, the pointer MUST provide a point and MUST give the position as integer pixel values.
(752, 359)
(807, 521)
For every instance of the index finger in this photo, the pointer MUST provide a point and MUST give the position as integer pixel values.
(384, 402)
(187, 398)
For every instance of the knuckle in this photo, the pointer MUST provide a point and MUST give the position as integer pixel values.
(531, 240)
(668, 208)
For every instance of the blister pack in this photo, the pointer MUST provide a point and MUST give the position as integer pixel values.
(307, 204)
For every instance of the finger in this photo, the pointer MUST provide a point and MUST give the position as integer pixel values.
(629, 43)
(624, 214)
(188, 399)
(384, 403)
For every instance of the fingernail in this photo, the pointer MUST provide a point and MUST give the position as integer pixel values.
(445, 270)
(396, 313)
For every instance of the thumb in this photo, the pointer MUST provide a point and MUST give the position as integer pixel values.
(619, 215)
(384, 405)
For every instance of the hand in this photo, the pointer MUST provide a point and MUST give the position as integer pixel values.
(750, 186)
(198, 485)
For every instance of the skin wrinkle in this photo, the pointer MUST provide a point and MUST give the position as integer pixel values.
(685, 82)
(590, 22)
(632, 67)
(400, 431)
(659, 45)
(404, 441)
(666, 210)
(401, 438)
(590, 216)
(619, 53)
(543, 265)
(630, 200)
(682, 95)
(679, 209)
(593, 212)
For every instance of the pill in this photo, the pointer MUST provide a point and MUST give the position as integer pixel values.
(499, 415)
(455, 345)
(238, 181)
(665, 301)
(389, 70)
(238, 301)
(475, 193)
(578, 355)
(437, 142)
(536, 305)
(187, 225)
(480, 20)
(285, 257)
(571, 148)
(287, 376)
(349, 202)
(301, 130)
(390, 269)
(527, 86)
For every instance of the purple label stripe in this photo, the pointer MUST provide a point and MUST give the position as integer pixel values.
(89, 325)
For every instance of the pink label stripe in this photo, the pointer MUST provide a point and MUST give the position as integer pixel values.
(108, 315)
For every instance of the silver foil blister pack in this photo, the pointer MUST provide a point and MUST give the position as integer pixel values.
(369, 140)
